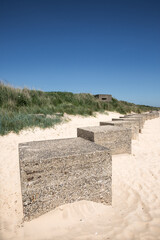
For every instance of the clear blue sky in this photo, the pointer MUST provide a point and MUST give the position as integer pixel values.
(95, 46)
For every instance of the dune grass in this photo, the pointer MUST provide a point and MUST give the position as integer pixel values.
(22, 108)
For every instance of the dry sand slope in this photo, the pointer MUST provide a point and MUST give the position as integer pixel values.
(134, 215)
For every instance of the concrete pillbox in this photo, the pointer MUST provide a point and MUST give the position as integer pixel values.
(133, 125)
(117, 139)
(56, 172)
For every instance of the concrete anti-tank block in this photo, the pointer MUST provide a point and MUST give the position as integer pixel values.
(134, 120)
(146, 115)
(154, 114)
(130, 118)
(136, 116)
(133, 125)
(62, 171)
(117, 139)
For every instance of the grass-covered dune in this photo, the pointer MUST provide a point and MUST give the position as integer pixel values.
(21, 108)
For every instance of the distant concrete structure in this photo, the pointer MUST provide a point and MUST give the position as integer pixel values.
(104, 97)
(55, 172)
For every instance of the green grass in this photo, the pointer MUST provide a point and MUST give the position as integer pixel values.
(15, 122)
(20, 108)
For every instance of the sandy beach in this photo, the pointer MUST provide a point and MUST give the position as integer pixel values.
(135, 211)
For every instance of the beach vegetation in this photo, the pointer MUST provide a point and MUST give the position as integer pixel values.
(23, 108)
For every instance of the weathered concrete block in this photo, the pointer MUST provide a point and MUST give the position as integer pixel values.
(151, 115)
(132, 125)
(140, 116)
(62, 171)
(139, 119)
(117, 139)
(137, 116)
(146, 115)
(154, 114)
(136, 121)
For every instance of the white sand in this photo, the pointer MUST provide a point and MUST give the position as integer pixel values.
(134, 215)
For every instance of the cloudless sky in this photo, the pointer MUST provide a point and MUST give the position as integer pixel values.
(93, 46)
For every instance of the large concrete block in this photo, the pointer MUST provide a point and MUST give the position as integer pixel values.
(130, 118)
(62, 171)
(146, 115)
(151, 115)
(117, 139)
(154, 114)
(137, 116)
(135, 121)
(132, 125)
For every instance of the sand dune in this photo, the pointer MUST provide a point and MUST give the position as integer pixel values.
(134, 215)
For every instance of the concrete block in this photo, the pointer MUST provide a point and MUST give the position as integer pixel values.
(154, 114)
(62, 171)
(140, 120)
(137, 116)
(151, 115)
(146, 115)
(135, 120)
(117, 139)
(132, 125)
